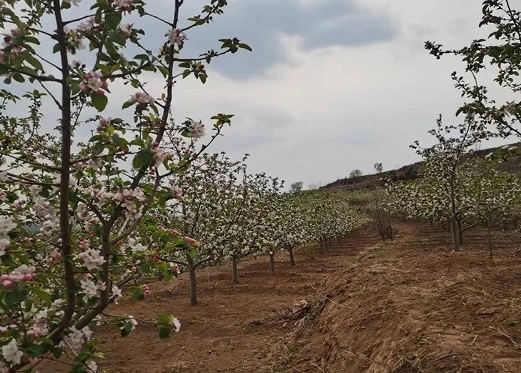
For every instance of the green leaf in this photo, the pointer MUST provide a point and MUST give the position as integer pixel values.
(163, 70)
(18, 77)
(56, 48)
(142, 158)
(141, 57)
(112, 50)
(113, 19)
(186, 73)
(13, 298)
(127, 328)
(145, 268)
(43, 295)
(149, 68)
(31, 39)
(126, 104)
(73, 197)
(245, 46)
(35, 350)
(202, 77)
(164, 332)
(3, 69)
(57, 352)
(99, 101)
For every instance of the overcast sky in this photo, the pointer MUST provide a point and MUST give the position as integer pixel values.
(331, 85)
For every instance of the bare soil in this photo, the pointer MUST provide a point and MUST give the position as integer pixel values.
(410, 306)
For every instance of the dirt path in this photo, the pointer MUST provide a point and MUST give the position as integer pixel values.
(233, 327)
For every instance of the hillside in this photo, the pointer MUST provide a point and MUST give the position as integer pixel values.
(409, 172)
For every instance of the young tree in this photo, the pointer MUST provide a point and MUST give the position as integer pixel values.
(355, 174)
(442, 166)
(207, 215)
(378, 167)
(499, 49)
(88, 194)
(296, 187)
(255, 230)
(380, 213)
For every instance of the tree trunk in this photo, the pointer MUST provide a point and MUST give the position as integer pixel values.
(321, 246)
(291, 256)
(460, 232)
(489, 239)
(272, 262)
(193, 280)
(235, 279)
(454, 230)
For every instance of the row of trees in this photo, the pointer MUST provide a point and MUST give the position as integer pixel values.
(457, 188)
(94, 203)
(79, 189)
(222, 212)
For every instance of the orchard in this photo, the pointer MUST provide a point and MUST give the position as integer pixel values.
(102, 194)
(82, 217)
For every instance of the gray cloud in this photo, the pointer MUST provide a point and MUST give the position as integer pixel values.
(249, 132)
(262, 24)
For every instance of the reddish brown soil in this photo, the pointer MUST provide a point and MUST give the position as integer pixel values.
(233, 326)
(410, 306)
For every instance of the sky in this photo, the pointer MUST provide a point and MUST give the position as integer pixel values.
(331, 85)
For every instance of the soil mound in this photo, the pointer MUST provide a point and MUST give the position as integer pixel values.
(412, 306)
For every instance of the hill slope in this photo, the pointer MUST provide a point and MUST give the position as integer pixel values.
(409, 172)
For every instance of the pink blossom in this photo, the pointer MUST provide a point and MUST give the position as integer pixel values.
(124, 5)
(92, 82)
(176, 36)
(141, 99)
(158, 154)
(196, 128)
(4, 245)
(178, 193)
(91, 259)
(126, 29)
(87, 25)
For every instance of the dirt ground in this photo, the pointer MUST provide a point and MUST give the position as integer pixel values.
(410, 306)
(413, 306)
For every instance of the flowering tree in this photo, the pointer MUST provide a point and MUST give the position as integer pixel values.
(210, 200)
(443, 168)
(496, 195)
(501, 50)
(330, 216)
(254, 230)
(479, 193)
(292, 223)
(69, 202)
